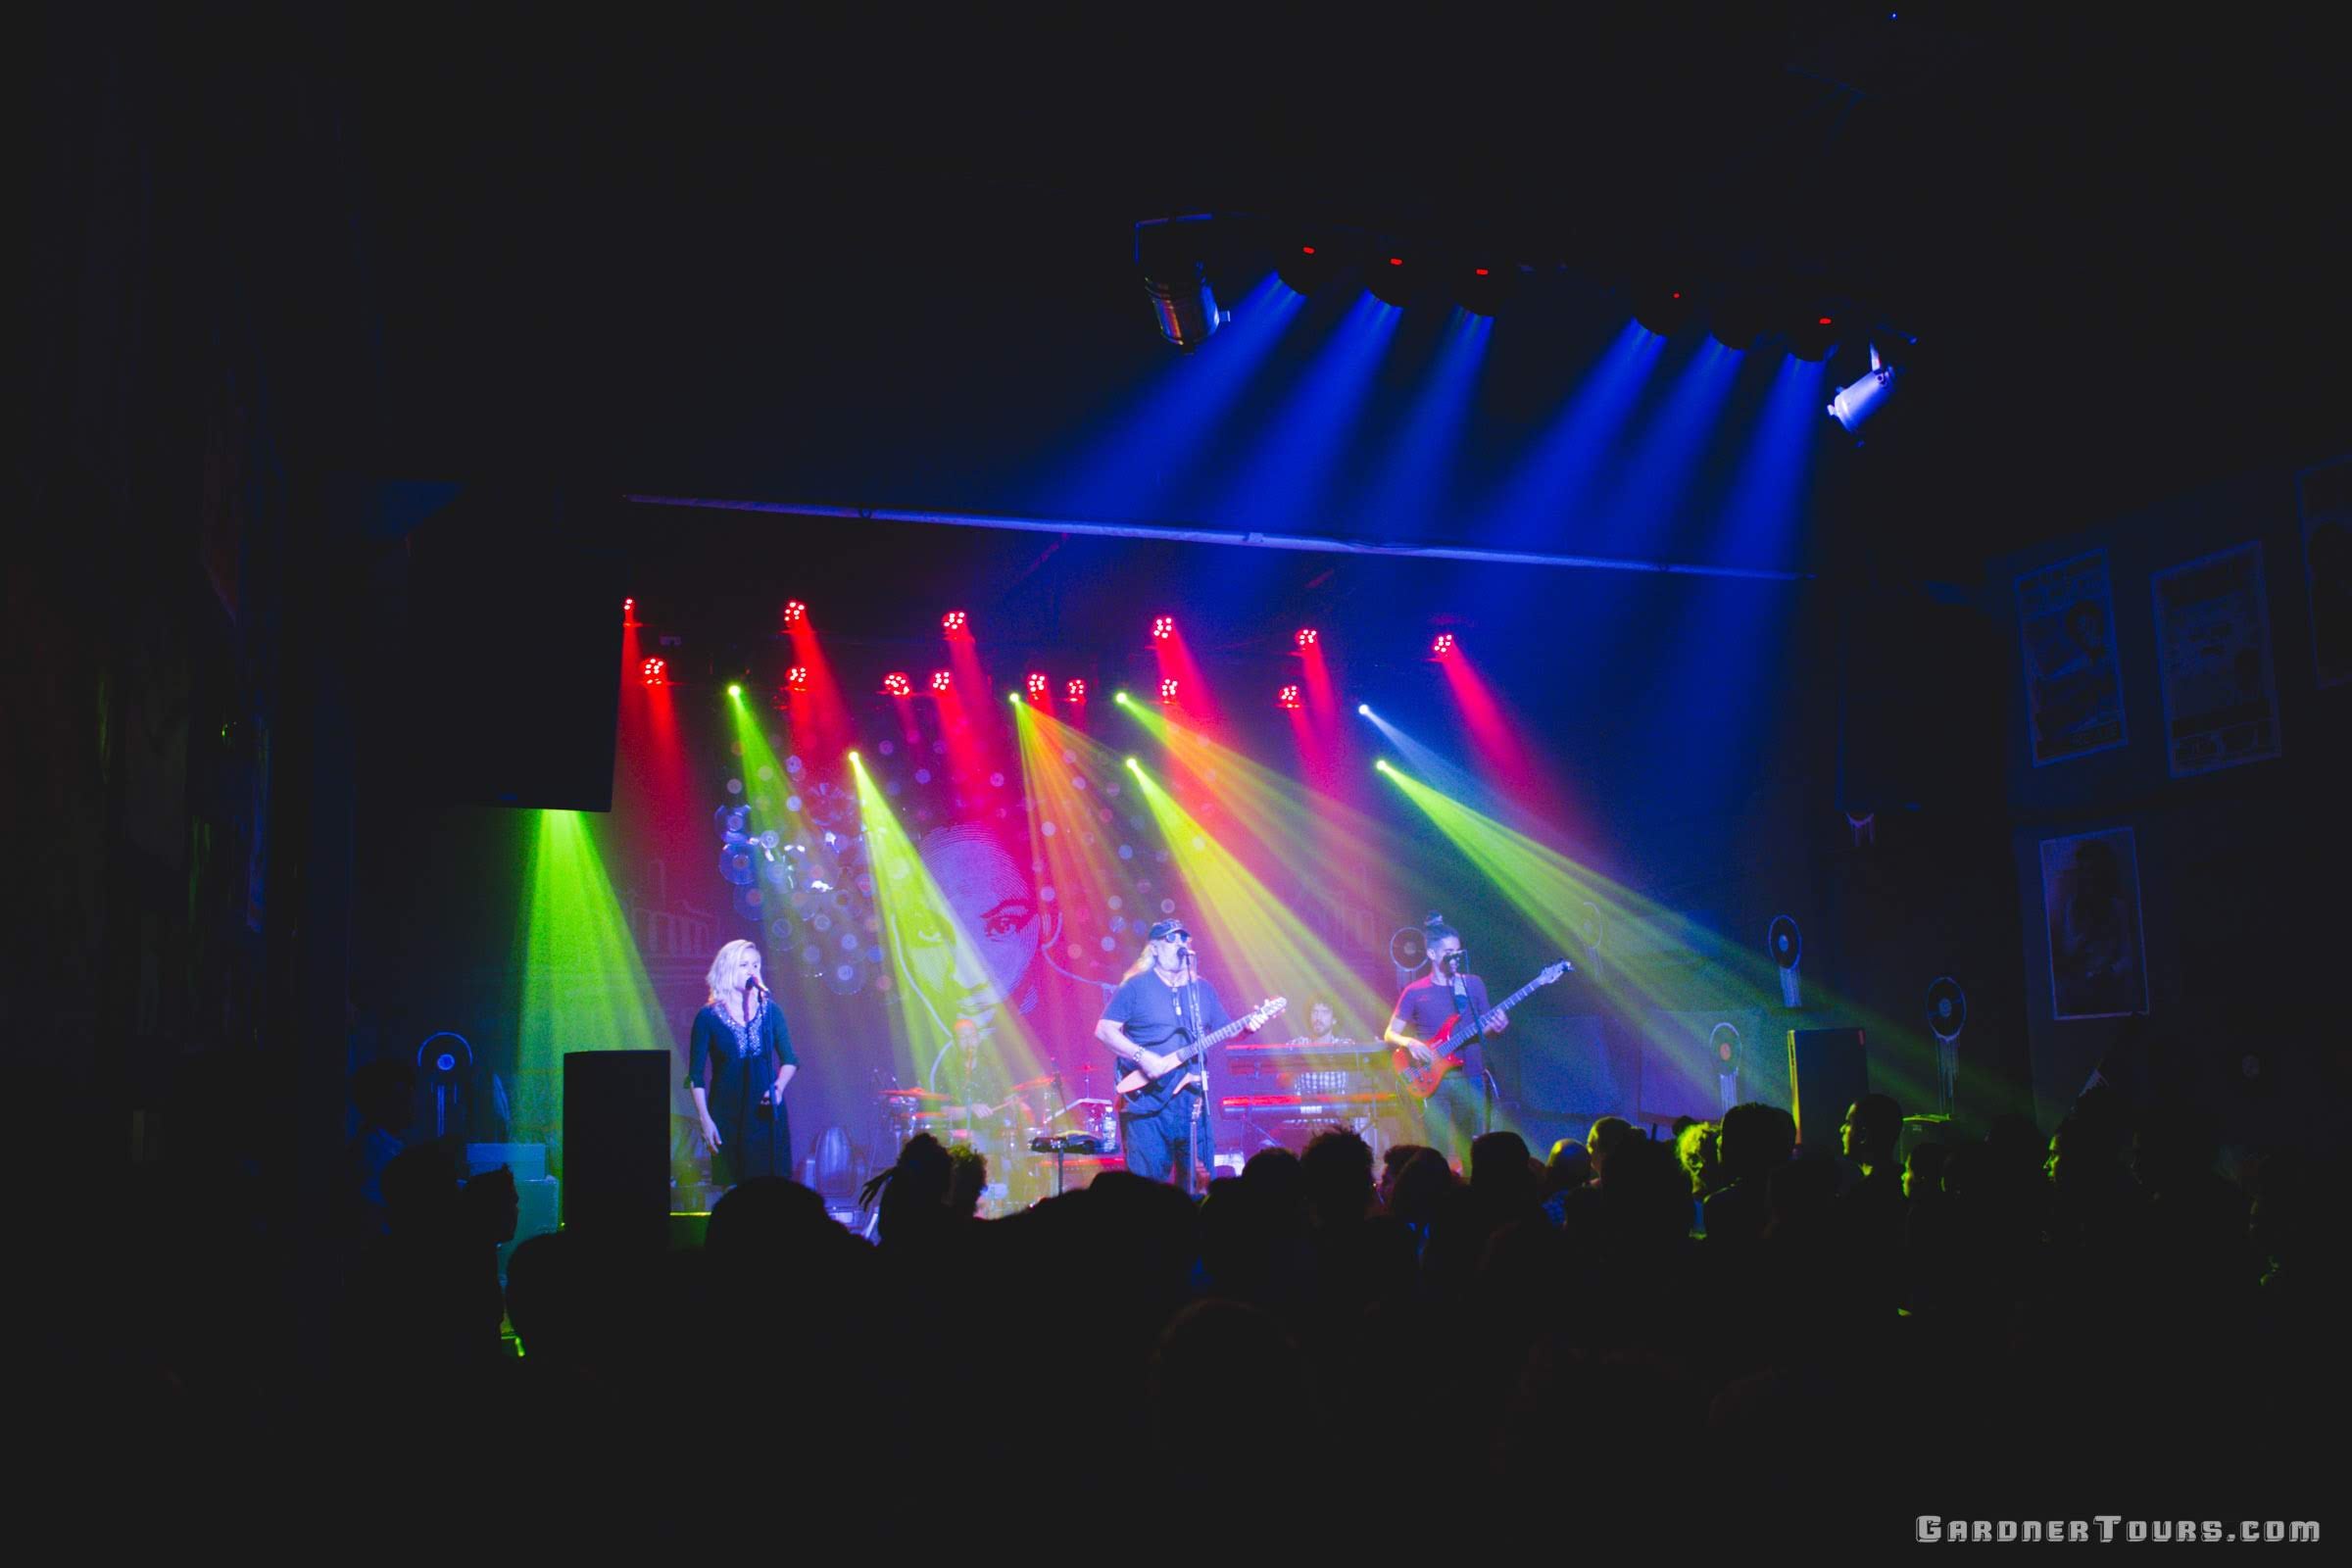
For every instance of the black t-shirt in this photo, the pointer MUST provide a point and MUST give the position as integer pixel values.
(1427, 1001)
(1160, 1017)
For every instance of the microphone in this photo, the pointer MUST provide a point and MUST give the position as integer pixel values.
(753, 981)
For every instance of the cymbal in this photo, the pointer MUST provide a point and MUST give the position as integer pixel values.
(913, 1094)
(1043, 1082)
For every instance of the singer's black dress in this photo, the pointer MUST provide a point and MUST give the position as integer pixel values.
(734, 1067)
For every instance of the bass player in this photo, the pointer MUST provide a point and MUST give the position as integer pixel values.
(1456, 1112)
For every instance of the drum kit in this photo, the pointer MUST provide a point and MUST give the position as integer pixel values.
(1030, 1148)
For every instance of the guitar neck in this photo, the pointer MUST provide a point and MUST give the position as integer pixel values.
(1214, 1038)
(1471, 1024)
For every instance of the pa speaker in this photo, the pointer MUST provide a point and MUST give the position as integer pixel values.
(616, 1141)
(1826, 1072)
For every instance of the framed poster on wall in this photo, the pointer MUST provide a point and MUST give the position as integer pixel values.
(2213, 646)
(2074, 689)
(2090, 905)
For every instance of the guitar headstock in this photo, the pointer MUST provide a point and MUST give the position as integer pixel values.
(1271, 1007)
(1553, 971)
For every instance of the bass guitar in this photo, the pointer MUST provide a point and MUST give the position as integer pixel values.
(1136, 1085)
(1455, 1034)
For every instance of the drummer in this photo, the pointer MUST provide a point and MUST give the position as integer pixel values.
(973, 1085)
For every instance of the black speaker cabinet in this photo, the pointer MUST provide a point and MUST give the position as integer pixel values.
(1826, 1072)
(616, 1141)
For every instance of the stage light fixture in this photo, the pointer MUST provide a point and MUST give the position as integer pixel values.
(1289, 696)
(1133, 763)
(895, 684)
(1308, 262)
(1176, 279)
(1663, 308)
(1167, 690)
(954, 621)
(1307, 637)
(628, 613)
(795, 613)
(1855, 404)
(1442, 646)
(1038, 684)
(1364, 709)
(1075, 691)
(1393, 274)
(1739, 318)
(1814, 329)
(1483, 285)
(1118, 697)
(1381, 765)
(941, 680)
(854, 761)
(1164, 628)
(654, 672)
(735, 690)
(795, 678)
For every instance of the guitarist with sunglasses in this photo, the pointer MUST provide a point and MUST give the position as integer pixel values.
(1161, 1009)
(1456, 1112)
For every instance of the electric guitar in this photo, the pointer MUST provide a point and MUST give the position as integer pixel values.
(1136, 1085)
(1457, 1033)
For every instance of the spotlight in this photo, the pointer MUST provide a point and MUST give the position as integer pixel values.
(1167, 690)
(941, 680)
(1814, 329)
(1038, 684)
(1739, 318)
(895, 684)
(1075, 691)
(795, 613)
(796, 679)
(1131, 763)
(853, 760)
(953, 622)
(1176, 279)
(1364, 709)
(1118, 697)
(1392, 274)
(1307, 262)
(1307, 637)
(1381, 765)
(1014, 698)
(1288, 697)
(1443, 645)
(735, 689)
(1856, 403)
(628, 613)
(1164, 628)
(1663, 308)
(1483, 285)
(654, 671)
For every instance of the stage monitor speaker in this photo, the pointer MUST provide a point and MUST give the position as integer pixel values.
(514, 651)
(616, 1141)
(1828, 1071)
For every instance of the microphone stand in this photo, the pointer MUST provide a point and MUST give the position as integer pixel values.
(1191, 1151)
